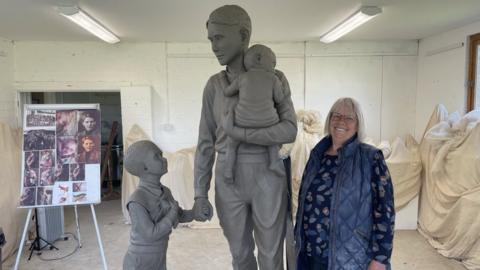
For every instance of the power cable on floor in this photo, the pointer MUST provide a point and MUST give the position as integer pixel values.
(65, 256)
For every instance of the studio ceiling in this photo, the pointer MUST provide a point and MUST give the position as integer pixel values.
(273, 20)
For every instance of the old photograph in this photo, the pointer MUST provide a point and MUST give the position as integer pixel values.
(40, 118)
(39, 139)
(66, 149)
(67, 123)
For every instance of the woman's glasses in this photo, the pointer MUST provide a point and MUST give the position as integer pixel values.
(348, 119)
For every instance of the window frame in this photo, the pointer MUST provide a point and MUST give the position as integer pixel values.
(474, 42)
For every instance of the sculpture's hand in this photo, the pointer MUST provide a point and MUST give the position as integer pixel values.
(173, 213)
(202, 209)
(228, 121)
(374, 265)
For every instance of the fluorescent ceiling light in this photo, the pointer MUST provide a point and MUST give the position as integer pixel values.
(357, 19)
(81, 18)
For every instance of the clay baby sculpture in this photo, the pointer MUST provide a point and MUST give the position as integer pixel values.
(151, 207)
(258, 89)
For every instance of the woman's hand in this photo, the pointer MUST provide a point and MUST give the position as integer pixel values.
(374, 265)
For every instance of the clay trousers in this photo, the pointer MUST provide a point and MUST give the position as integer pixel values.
(145, 261)
(252, 210)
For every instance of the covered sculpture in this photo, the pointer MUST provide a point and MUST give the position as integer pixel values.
(310, 131)
(10, 171)
(153, 211)
(450, 195)
(405, 168)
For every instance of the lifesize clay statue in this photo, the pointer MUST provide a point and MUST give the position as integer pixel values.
(258, 90)
(151, 207)
(257, 198)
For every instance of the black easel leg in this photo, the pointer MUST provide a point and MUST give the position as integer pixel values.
(36, 246)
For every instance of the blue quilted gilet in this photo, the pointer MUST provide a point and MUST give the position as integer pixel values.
(351, 205)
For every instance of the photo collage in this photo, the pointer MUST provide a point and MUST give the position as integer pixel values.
(61, 157)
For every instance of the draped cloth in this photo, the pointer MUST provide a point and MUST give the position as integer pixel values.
(180, 181)
(405, 169)
(12, 218)
(450, 197)
(310, 131)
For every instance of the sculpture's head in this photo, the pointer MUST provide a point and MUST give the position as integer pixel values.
(261, 57)
(229, 29)
(145, 158)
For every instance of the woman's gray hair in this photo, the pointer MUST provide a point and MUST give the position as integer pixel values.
(355, 106)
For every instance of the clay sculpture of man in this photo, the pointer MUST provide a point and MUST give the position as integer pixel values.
(257, 198)
(151, 207)
(258, 90)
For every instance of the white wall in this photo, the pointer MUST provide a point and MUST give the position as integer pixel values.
(7, 94)
(442, 76)
(189, 67)
(79, 66)
(381, 75)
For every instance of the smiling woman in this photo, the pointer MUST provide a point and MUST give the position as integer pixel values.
(346, 213)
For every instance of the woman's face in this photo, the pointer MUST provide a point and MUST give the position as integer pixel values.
(89, 123)
(88, 145)
(343, 124)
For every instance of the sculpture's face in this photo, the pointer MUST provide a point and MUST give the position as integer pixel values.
(343, 124)
(89, 123)
(227, 42)
(155, 162)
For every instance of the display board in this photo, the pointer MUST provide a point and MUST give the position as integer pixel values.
(61, 155)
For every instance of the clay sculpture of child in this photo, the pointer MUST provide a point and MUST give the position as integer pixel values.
(258, 89)
(152, 209)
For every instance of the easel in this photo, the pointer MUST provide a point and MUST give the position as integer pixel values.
(108, 166)
(37, 245)
(25, 229)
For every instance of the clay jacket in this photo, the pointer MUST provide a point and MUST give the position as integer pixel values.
(148, 207)
(351, 211)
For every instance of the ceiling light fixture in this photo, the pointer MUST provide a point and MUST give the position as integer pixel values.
(361, 16)
(78, 16)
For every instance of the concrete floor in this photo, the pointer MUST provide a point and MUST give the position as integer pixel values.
(202, 249)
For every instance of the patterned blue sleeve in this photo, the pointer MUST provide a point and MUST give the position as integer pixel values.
(383, 211)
